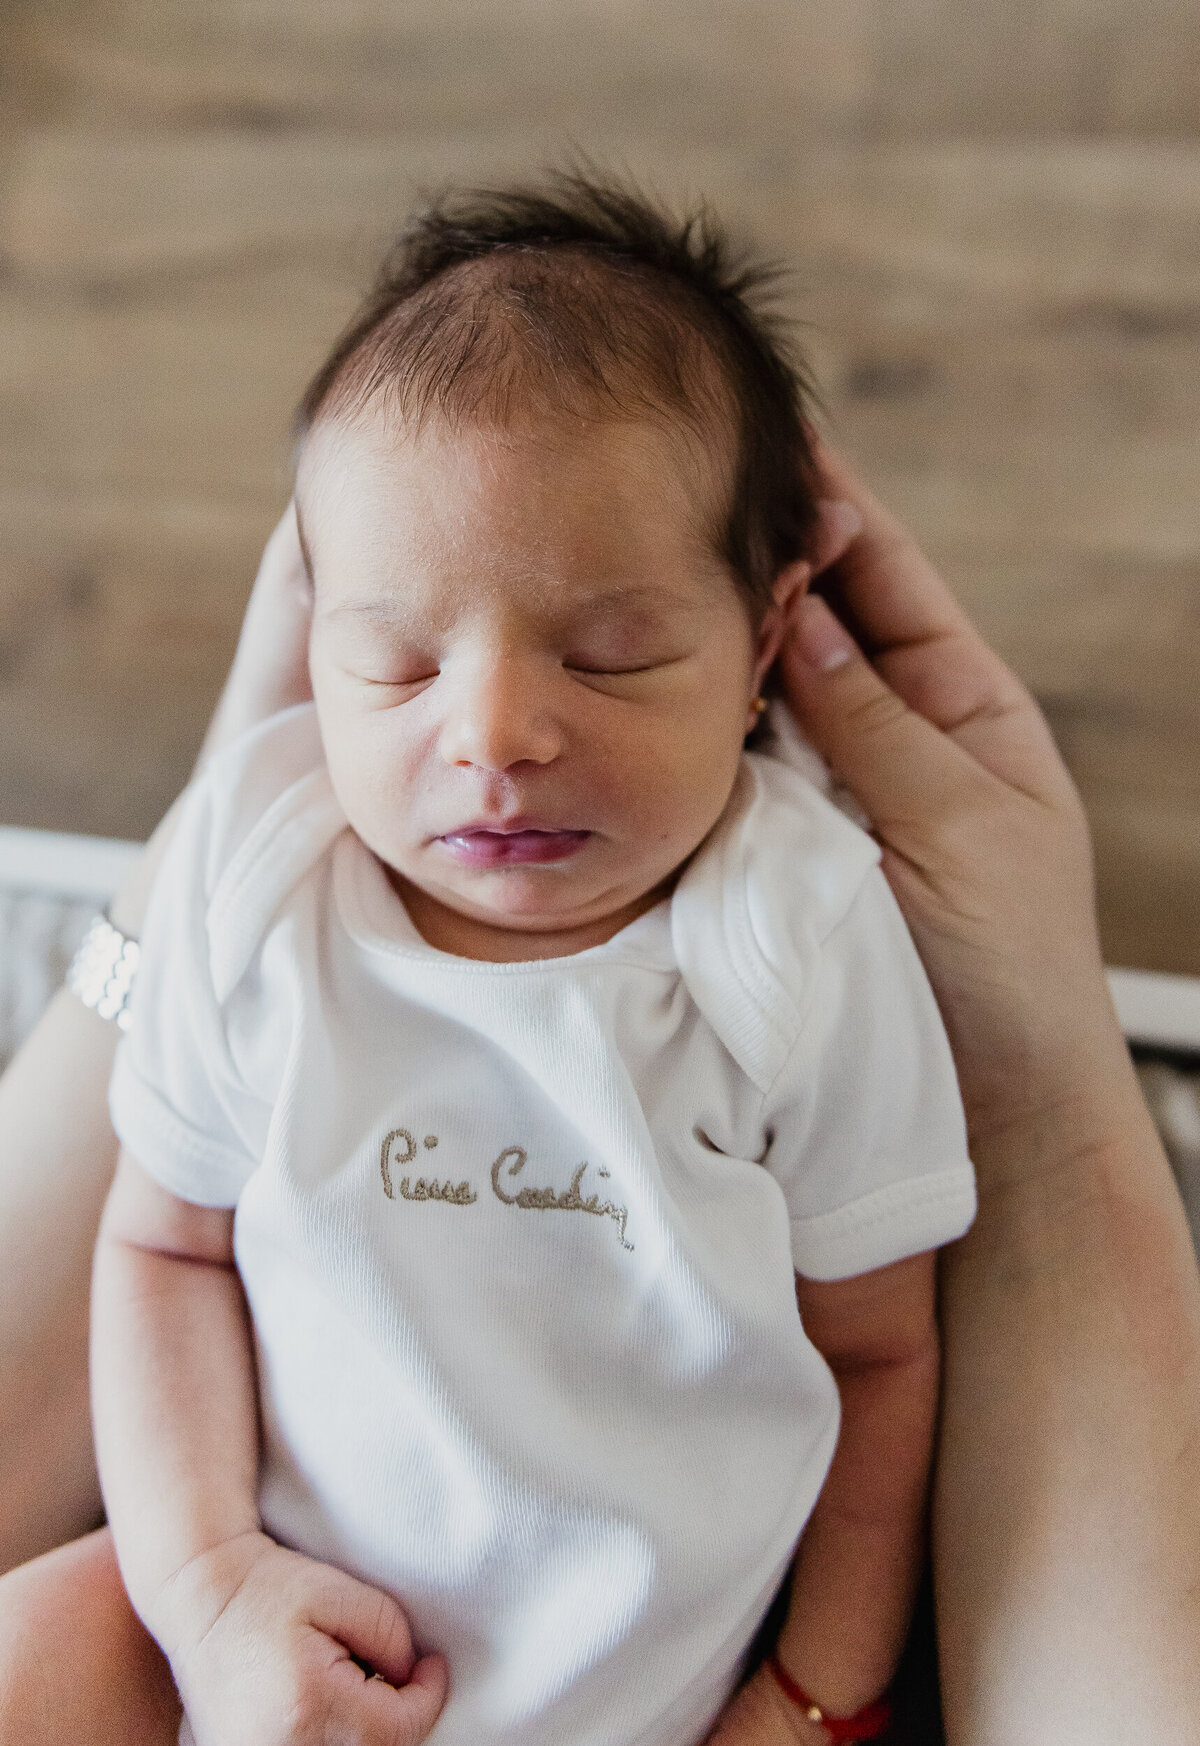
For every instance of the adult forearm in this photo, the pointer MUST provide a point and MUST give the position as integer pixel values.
(1067, 1514)
(56, 1163)
(58, 1152)
(57, 1159)
(174, 1411)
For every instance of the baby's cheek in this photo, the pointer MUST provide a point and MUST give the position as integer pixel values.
(360, 767)
(675, 803)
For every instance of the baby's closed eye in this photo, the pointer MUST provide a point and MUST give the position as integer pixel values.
(394, 665)
(618, 650)
(397, 679)
(601, 664)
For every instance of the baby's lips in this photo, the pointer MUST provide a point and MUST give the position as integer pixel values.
(508, 848)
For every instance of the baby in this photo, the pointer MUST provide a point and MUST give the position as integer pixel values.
(514, 1051)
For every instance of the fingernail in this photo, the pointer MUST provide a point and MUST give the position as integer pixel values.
(821, 640)
(842, 518)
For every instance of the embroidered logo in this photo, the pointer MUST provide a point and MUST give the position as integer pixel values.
(400, 1148)
(460, 1195)
(550, 1199)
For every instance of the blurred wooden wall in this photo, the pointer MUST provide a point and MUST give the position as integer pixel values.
(993, 207)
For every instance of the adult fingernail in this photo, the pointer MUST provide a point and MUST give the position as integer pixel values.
(842, 518)
(822, 641)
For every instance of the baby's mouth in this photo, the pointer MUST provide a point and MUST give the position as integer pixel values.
(481, 846)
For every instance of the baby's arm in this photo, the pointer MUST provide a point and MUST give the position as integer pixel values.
(260, 1639)
(861, 1554)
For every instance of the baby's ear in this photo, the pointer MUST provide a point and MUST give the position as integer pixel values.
(790, 584)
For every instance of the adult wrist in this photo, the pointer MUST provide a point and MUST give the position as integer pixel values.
(1060, 1117)
(1048, 1062)
(1065, 1198)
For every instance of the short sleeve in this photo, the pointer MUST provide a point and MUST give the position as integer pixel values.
(261, 816)
(868, 1134)
(177, 1101)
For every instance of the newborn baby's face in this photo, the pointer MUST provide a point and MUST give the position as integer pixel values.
(533, 678)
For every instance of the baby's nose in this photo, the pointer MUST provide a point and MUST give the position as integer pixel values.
(499, 715)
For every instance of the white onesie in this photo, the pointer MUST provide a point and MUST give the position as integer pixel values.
(518, 1239)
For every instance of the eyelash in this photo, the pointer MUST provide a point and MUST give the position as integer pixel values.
(398, 684)
(609, 672)
(568, 667)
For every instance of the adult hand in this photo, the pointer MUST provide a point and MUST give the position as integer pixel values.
(270, 667)
(1066, 1522)
(56, 1166)
(269, 672)
(983, 835)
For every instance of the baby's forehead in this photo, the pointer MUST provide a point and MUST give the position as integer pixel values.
(607, 501)
(657, 445)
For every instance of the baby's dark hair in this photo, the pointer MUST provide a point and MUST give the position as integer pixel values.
(582, 296)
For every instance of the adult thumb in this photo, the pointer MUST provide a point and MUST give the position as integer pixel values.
(895, 763)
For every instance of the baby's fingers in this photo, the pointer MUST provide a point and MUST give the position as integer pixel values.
(398, 1700)
(385, 1715)
(368, 1622)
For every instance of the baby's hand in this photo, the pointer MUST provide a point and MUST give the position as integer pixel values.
(262, 1643)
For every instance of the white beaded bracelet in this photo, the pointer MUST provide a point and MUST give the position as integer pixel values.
(102, 971)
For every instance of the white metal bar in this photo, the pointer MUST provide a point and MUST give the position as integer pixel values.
(1153, 1008)
(63, 866)
(1158, 1009)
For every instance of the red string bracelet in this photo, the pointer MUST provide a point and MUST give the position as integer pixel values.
(871, 1722)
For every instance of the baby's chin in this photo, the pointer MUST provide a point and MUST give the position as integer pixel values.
(518, 911)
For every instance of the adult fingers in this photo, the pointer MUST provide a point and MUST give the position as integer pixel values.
(899, 765)
(838, 522)
(930, 654)
(894, 592)
(279, 610)
(270, 667)
(907, 618)
(283, 554)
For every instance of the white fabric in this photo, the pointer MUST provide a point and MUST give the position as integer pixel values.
(579, 1440)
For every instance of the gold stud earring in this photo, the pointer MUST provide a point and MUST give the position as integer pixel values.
(758, 705)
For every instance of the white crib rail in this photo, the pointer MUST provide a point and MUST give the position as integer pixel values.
(50, 887)
(51, 883)
(57, 865)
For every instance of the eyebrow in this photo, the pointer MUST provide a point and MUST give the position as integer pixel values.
(384, 611)
(607, 601)
(635, 599)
